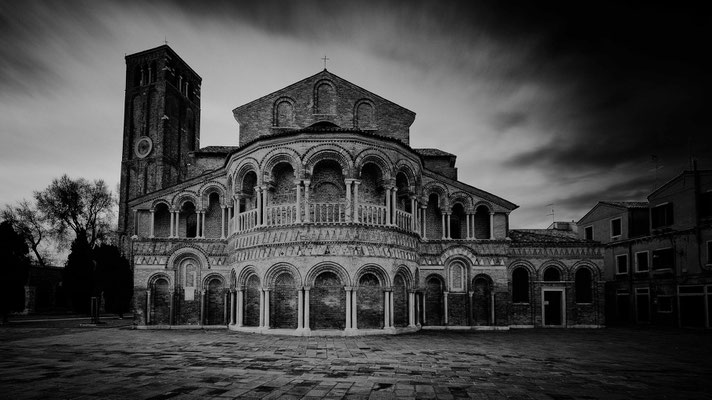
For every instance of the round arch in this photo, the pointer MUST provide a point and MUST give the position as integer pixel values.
(376, 270)
(328, 152)
(406, 274)
(485, 204)
(277, 269)
(180, 199)
(245, 273)
(243, 168)
(209, 188)
(280, 155)
(209, 277)
(438, 189)
(157, 202)
(153, 278)
(558, 265)
(330, 267)
(188, 252)
(377, 157)
(464, 199)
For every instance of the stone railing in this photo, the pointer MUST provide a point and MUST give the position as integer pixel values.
(246, 221)
(370, 214)
(280, 215)
(327, 213)
(404, 220)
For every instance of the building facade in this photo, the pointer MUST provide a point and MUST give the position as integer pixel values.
(658, 253)
(324, 220)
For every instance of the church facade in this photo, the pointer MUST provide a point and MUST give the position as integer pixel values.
(324, 220)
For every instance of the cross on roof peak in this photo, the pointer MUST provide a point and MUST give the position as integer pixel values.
(325, 60)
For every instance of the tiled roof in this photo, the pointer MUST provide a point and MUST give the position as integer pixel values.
(525, 236)
(627, 204)
(217, 149)
(433, 153)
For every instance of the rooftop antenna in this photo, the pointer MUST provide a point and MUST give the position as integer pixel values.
(325, 60)
(553, 215)
(165, 40)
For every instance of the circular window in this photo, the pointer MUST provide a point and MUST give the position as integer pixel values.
(143, 147)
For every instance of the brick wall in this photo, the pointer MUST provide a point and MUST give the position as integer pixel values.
(369, 192)
(215, 303)
(433, 221)
(480, 303)
(400, 302)
(327, 303)
(370, 303)
(457, 309)
(160, 303)
(213, 214)
(252, 302)
(434, 303)
(283, 303)
(482, 224)
(162, 221)
(327, 183)
(284, 191)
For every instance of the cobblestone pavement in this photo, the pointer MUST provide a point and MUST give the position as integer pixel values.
(114, 361)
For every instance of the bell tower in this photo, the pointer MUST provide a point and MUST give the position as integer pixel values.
(161, 125)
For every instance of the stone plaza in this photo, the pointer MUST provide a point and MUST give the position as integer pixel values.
(64, 360)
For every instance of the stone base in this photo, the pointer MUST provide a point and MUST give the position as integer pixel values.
(466, 328)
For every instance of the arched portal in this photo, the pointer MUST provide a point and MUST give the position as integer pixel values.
(434, 301)
(481, 300)
(458, 222)
(161, 221)
(400, 301)
(283, 302)
(215, 307)
(252, 301)
(327, 303)
(369, 297)
(160, 313)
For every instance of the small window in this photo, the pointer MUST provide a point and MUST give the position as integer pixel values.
(661, 215)
(588, 233)
(641, 261)
(584, 292)
(706, 204)
(622, 264)
(664, 304)
(520, 286)
(664, 259)
(616, 227)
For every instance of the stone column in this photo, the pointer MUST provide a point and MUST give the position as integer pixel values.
(171, 300)
(491, 225)
(386, 309)
(307, 183)
(300, 309)
(492, 307)
(177, 224)
(135, 222)
(388, 206)
(267, 308)
(349, 208)
(413, 214)
(226, 307)
(306, 309)
(423, 220)
(202, 306)
(202, 225)
(394, 205)
(299, 203)
(467, 218)
(418, 299)
(411, 309)
(470, 307)
(447, 225)
(233, 306)
(258, 193)
(262, 308)
(444, 227)
(153, 222)
(348, 290)
(170, 234)
(148, 306)
(222, 222)
(391, 309)
(354, 305)
(198, 223)
(233, 213)
(239, 308)
(356, 217)
(445, 311)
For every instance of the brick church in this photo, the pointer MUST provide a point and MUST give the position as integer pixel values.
(323, 220)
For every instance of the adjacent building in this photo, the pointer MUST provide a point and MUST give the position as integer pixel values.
(658, 253)
(323, 219)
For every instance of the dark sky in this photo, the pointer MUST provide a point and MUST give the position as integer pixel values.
(559, 103)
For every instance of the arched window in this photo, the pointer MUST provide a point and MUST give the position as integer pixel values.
(482, 223)
(433, 218)
(458, 222)
(457, 277)
(403, 192)
(284, 114)
(584, 289)
(325, 99)
(552, 274)
(520, 285)
(364, 116)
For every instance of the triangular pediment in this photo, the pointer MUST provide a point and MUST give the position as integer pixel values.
(323, 98)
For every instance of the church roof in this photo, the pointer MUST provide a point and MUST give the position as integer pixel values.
(433, 152)
(217, 149)
(543, 236)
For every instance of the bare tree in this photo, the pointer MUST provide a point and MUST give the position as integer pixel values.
(77, 205)
(29, 223)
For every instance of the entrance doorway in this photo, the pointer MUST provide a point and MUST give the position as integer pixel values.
(553, 307)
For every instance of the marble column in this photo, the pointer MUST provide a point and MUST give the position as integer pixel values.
(388, 206)
(348, 290)
(171, 305)
(198, 223)
(153, 223)
(349, 206)
(239, 311)
(148, 306)
(354, 305)
(202, 306)
(307, 218)
(300, 309)
(172, 228)
(222, 222)
(445, 311)
(491, 225)
(233, 306)
(267, 308)
(306, 309)
(258, 192)
(386, 309)
(299, 203)
(356, 210)
(444, 227)
(411, 308)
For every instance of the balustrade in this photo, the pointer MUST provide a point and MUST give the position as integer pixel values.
(404, 220)
(327, 213)
(370, 214)
(279, 215)
(247, 220)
